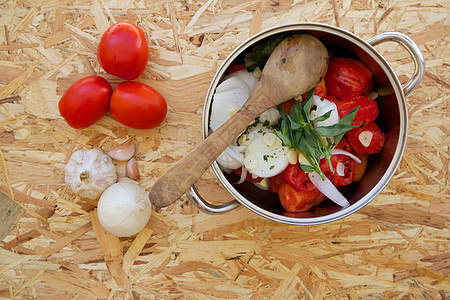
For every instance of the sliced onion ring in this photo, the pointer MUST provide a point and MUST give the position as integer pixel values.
(340, 151)
(243, 175)
(328, 189)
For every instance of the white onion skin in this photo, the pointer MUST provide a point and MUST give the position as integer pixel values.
(124, 209)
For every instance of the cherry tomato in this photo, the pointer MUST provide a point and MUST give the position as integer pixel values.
(85, 102)
(137, 105)
(348, 77)
(123, 50)
(275, 182)
(367, 111)
(343, 169)
(249, 176)
(296, 201)
(298, 178)
(367, 139)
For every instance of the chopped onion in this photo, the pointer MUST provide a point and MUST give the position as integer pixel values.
(328, 189)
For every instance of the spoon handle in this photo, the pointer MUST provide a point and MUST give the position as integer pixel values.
(175, 182)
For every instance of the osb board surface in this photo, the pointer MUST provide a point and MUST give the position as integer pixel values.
(396, 247)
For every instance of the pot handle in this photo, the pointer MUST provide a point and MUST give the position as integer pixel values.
(414, 51)
(209, 208)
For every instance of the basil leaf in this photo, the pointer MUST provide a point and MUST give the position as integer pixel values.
(333, 130)
(322, 117)
(307, 168)
(307, 104)
(347, 120)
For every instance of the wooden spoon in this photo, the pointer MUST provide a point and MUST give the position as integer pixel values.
(295, 66)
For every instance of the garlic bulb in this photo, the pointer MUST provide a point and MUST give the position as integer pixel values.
(124, 209)
(89, 172)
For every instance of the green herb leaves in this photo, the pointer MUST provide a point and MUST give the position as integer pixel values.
(298, 132)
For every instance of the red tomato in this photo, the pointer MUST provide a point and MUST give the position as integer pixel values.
(137, 105)
(298, 178)
(275, 182)
(296, 201)
(369, 134)
(85, 102)
(123, 50)
(249, 176)
(235, 68)
(367, 111)
(344, 145)
(321, 90)
(348, 77)
(341, 164)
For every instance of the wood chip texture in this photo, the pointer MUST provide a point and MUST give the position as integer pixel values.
(397, 247)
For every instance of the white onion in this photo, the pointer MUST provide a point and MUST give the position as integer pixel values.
(232, 157)
(246, 77)
(328, 189)
(124, 209)
(322, 106)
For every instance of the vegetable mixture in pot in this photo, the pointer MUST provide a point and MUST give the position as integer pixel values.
(308, 147)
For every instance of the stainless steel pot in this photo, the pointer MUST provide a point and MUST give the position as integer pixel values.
(393, 121)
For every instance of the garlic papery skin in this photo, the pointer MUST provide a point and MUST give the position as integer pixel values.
(89, 172)
(124, 209)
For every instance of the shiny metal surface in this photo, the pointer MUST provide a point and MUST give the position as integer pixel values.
(414, 51)
(393, 121)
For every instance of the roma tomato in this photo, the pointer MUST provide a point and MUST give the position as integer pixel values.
(275, 182)
(343, 169)
(344, 145)
(348, 77)
(85, 102)
(298, 178)
(137, 105)
(367, 139)
(296, 201)
(123, 50)
(367, 111)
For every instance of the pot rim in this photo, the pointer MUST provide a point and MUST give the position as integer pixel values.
(397, 89)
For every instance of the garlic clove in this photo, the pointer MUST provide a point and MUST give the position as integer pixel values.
(132, 169)
(292, 156)
(250, 161)
(340, 169)
(365, 138)
(122, 152)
